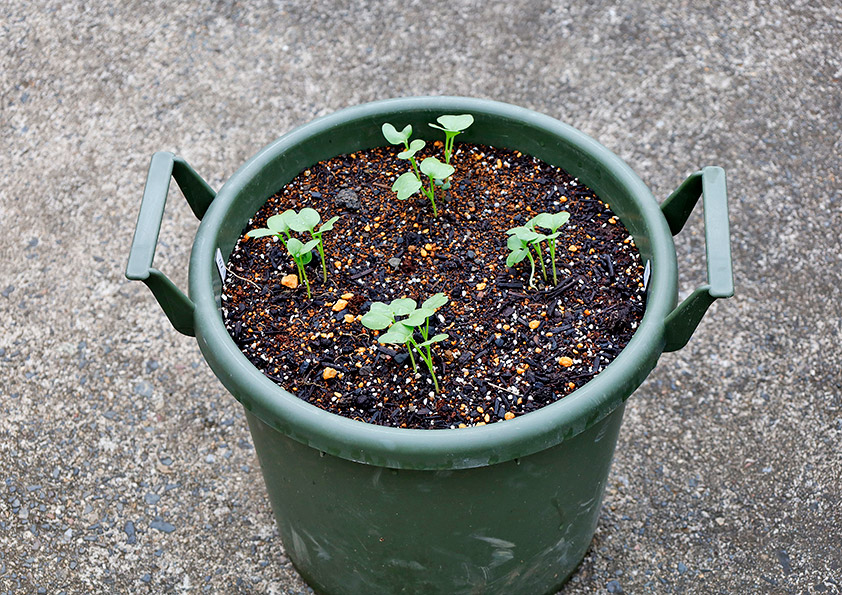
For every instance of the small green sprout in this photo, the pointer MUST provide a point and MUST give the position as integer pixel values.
(401, 332)
(406, 185)
(551, 221)
(438, 173)
(452, 126)
(520, 239)
(394, 137)
(302, 254)
(524, 237)
(305, 220)
(410, 149)
(409, 183)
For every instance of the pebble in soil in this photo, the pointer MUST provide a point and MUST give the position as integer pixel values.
(511, 349)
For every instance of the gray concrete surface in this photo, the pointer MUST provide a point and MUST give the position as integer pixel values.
(126, 467)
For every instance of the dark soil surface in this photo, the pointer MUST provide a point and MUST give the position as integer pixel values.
(511, 349)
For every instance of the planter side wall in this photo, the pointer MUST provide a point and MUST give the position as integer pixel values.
(516, 527)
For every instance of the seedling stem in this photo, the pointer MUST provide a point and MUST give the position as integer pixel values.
(302, 253)
(382, 316)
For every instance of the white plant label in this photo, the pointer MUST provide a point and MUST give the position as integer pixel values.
(220, 264)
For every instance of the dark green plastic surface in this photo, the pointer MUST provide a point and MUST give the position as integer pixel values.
(708, 183)
(163, 166)
(516, 527)
(505, 508)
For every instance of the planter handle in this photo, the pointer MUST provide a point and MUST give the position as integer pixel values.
(708, 183)
(176, 305)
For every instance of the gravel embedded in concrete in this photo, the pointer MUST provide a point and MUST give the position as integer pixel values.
(124, 464)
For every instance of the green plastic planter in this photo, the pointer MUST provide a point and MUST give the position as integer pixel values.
(506, 508)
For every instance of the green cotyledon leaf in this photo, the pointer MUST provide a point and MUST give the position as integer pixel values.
(436, 169)
(261, 233)
(406, 185)
(435, 302)
(328, 225)
(435, 339)
(414, 147)
(376, 320)
(403, 306)
(398, 333)
(393, 136)
(417, 317)
(515, 257)
(455, 123)
(277, 223)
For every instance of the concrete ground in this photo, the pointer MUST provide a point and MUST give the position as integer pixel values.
(124, 464)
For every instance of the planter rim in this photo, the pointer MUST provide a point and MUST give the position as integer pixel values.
(434, 449)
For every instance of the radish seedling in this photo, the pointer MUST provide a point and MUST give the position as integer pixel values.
(437, 172)
(408, 183)
(520, 239)
(305, 220)
(410, 149)
(451, 126)
(551, 221)
(401, 332)
(302, 254)
(524, 237)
